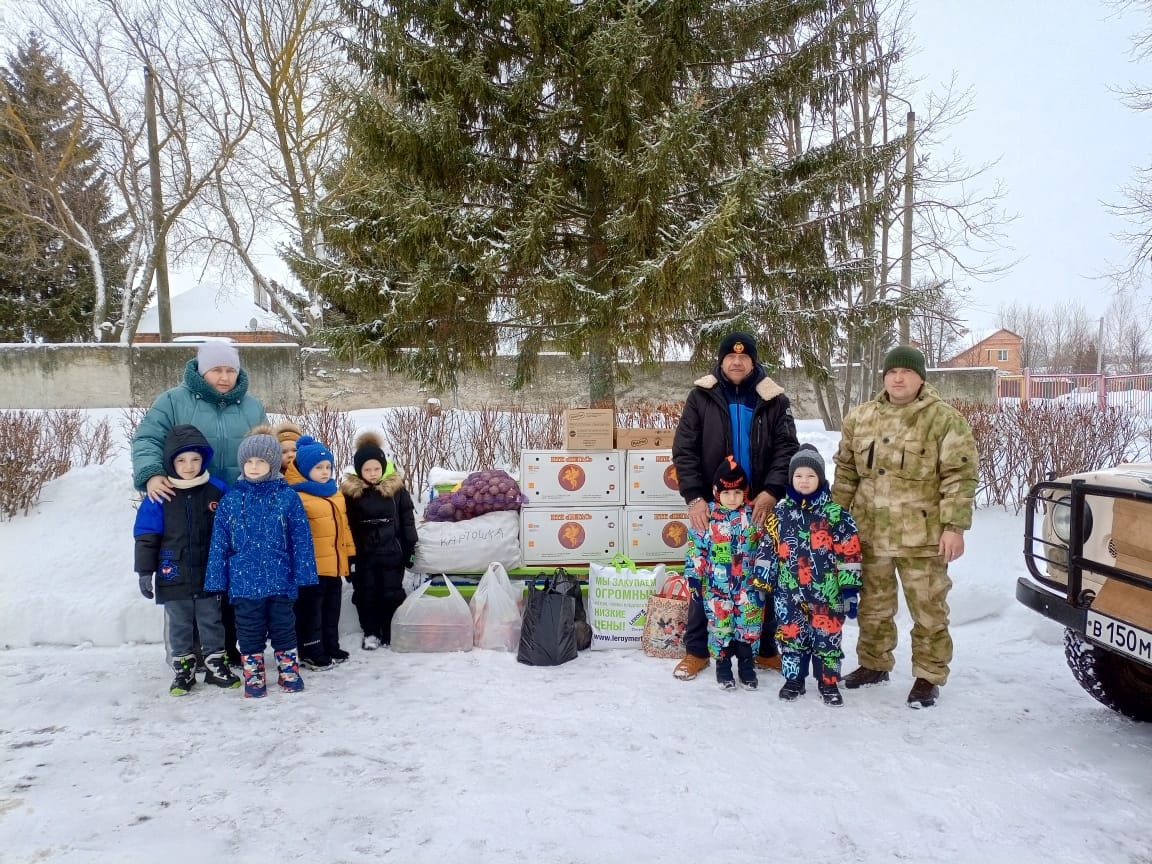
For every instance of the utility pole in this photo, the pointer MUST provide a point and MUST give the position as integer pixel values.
(906, 251)
(160, 251)
(1100, 348)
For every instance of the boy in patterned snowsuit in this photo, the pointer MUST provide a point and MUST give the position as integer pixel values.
(719, 569)
(809, 563)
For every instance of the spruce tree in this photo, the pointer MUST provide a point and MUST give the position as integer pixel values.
(600, 176)
(49, 157)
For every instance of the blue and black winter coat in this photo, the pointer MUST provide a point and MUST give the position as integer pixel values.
(261, 544)
(173, 537)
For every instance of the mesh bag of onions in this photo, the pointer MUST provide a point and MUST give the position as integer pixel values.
(482, 492)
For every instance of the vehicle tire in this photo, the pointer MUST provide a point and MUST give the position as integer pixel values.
(1112, 680)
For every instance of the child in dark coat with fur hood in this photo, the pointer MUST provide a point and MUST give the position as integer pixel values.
(383, 521)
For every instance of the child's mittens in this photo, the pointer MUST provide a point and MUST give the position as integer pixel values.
(849, 601)
(145, 581)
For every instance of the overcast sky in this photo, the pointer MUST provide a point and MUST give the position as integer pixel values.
(1043, 76)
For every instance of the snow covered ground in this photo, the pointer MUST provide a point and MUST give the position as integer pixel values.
(474, 758)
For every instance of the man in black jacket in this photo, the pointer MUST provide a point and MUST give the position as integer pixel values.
(736, 409)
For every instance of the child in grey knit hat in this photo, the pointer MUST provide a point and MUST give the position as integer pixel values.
(262, 554)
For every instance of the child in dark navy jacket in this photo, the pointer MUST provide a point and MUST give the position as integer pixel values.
(261, 554)
(719, 568)
(383, 522)
(172, 541)
(809, 562)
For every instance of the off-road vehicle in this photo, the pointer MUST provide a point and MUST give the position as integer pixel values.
(1088, 547)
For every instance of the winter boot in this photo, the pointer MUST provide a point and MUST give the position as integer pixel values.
(689, 667)
(254, 685)
(768, 664)
(318, 662)
(724, 672)
(792, 690)
(745, 666)
(864, 677)
(339, 655)
(289, 666)
(185, 680)
(219, 672)
(370, 642)
(923, 694)
(830, 693)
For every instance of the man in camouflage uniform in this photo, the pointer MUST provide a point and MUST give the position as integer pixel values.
(906, 470)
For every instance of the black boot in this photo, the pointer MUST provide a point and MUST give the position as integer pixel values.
(724, 672)
(218, 672)
(745, 665)
(864, 677)
(830, 693)
(185, 680)
(792, 690)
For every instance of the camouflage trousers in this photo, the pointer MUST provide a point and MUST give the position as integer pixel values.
(926, 585)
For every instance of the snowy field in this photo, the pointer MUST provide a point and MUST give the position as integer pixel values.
(474, 758)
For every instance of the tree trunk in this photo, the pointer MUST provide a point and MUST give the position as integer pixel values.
(602, 375)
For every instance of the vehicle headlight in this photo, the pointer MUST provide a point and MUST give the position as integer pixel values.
(1062, 519)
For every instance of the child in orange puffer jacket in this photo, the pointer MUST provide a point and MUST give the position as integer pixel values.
(312, 475)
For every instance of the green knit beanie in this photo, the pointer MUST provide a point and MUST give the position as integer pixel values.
(905, 357)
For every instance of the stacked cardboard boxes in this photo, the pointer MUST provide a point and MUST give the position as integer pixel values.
(587, 503)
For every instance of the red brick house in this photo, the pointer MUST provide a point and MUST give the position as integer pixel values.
(1001, 349)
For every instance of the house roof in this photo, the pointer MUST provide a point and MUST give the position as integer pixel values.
(209, 307)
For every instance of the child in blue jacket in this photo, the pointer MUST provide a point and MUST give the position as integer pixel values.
(809, 562)
(719, 568)
(172, 542)
(261, 554)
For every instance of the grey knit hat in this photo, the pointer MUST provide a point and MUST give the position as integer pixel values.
(807, 457)
(260, 446)
(216, 353)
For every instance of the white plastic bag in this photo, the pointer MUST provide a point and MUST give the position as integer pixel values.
(430, 624)
(468, 546)
(618, 601)
(496, 610)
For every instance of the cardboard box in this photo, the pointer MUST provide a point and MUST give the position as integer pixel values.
(560, 478)
(643, 439)
(656, 533)
(651, 478)
(589, 428)
(570, 535)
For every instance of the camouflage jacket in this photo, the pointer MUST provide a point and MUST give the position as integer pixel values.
(907, 472)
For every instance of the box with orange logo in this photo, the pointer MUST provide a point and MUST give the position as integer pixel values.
(656, 533)
(557, 478)
(570, 535)
(651, 478)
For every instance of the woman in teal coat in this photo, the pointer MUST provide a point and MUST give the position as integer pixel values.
(213, 398)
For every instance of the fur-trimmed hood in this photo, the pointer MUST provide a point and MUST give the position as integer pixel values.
(766, 388)
(391, 483)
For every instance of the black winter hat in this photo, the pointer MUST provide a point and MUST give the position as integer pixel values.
(368, 448)
(739, 343)
(730, 476)
(185, 438)
(807, 457)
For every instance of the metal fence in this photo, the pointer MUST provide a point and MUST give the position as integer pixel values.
(1133, 392)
